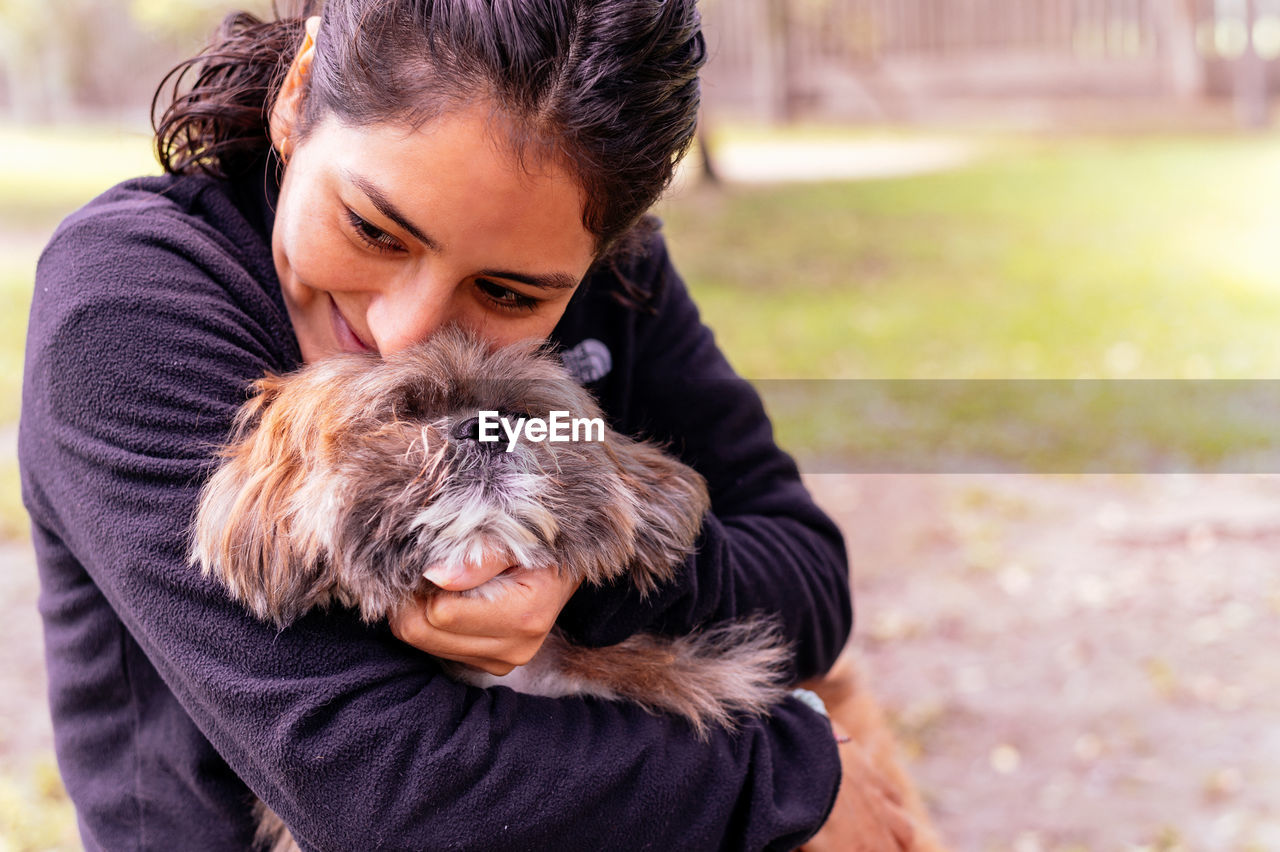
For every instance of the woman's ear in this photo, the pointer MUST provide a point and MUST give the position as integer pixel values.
(288, 105)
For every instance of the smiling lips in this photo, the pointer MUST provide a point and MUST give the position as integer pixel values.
(346, 335)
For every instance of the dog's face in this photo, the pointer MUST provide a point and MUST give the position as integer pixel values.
(346, 480)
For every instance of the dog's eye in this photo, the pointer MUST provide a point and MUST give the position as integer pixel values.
(467, 430)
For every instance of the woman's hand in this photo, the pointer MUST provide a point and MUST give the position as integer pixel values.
(868, 815)
(494, 632)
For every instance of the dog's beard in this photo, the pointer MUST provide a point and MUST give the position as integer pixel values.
(345, 481)
(465, 504)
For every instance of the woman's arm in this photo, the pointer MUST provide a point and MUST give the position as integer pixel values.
(765, 546)
(138, 355)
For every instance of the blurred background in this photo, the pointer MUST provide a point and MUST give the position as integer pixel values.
(960, 191)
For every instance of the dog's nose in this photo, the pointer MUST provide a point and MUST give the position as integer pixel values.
(467, 430)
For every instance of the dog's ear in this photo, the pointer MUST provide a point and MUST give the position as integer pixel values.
(265, 392)
(671, 499)
(257, 528)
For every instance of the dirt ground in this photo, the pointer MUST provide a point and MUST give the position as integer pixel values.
(1076, 662)
(1073, 662)
(25, 735)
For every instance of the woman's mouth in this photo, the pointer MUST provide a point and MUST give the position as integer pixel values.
(348, 340)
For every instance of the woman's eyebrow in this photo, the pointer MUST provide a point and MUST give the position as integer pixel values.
(386, 208)
(550, 281)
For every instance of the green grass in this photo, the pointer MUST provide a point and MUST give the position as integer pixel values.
(35, 813)
(1064, 259)
(46, 172)
(1143, 257)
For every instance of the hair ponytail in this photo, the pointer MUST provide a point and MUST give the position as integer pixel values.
(219, 125)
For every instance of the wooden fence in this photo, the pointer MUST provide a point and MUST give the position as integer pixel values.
(784, 57)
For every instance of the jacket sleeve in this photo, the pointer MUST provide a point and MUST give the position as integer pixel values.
(137, 359)
(765, 546)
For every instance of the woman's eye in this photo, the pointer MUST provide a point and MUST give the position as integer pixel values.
(505, 297)
(371, 234)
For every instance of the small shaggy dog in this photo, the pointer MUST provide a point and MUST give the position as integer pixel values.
(345, 480)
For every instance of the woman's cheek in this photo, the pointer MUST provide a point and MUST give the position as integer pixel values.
(501, 330)
(323, 260)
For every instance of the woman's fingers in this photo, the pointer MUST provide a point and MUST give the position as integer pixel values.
(461, 577)
(883, 815)
(523, 603)
(868, 815)
(483, 652)
(494, 631)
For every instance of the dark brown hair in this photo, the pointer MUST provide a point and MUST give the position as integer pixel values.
(609, 87)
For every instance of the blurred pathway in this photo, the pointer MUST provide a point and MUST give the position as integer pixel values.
(858, 159)
(25, 732)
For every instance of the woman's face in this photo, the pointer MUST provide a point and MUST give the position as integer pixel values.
(384, 234)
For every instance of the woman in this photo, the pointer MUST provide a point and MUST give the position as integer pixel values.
(352, 184)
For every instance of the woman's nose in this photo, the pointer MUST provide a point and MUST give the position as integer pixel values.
(409, 315)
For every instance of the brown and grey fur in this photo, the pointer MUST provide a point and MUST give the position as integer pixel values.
(346, 479)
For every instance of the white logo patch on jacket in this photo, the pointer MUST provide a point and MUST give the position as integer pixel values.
(589, 361)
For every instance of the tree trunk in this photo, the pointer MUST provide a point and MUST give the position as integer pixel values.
(1251, 78)
(1175, 25)
(710, 174)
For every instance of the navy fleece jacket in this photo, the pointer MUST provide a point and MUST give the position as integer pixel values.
(154, 307)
